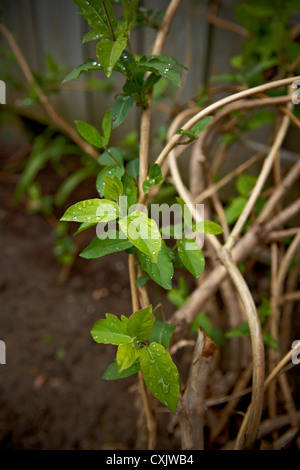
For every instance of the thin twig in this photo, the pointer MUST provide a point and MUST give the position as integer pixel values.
(217, 105)
(259, 183)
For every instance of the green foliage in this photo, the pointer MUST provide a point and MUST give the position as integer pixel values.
(178, 296)
(143, 234)
(203, 321)
(243, 330)
(160, 272)
(92, 211)
(155, 178)
(109, 242)
(192, 256)
(194, 132)
(142, 344)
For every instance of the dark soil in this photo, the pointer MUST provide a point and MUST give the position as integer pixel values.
(52, 395)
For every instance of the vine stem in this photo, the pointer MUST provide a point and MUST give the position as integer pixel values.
(217, 105)
(268, 163)
(151, 423)
(146, 112)
(250, 310)
(56, 118)
(267, 382)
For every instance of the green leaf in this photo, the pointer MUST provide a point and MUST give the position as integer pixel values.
(186, 213)
(161, 65)
(175, 258)
(206, 226)
(112, 372)
(133, 168)
(245, 183)
(108, 242)
(129, 190)
(142, 280)
(162, 333)
(192, 257)
(91, 65)
(129, 13)
(201, 125)
(140, 324)
(160, 374)
(110, 331)
(111, 156)
(121, 109)
(109, 51)
(242, 330)
(113, 188)
(84, 226)
(91, 36)
(259, 119)
(127, 354)
(264, 310)
(179, 296)
(111, 170)
(155, 178)
(92, 211)
(94, 13)
(90, 133)
(160, 272)
(203, 321)
(143, 233)
(106, 127)
(234, 209)
(269, 340)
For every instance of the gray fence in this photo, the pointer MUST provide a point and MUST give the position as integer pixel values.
(55, 27)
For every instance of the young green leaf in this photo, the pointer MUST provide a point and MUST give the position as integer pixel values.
(133, 168)
(84, 226)
(162, 333)
(140, 324)
(129, 190)
(160, 272)
(95, 14)
(201, 125)
(143, 233)
(129, 13)
(113, 188)
(234, 209)
(192, 257)
(90, 65)
(155, 178)
(90, 133)
(161, 65)
(245, 183)
(206, 226)
(121, 109)
(112, 156)
(112, 372)
(186, 213)
(92, 211)
(109, 242)
(111, 170)
(106, 127)
(110, 330)
(160, 374)
(127, 354)
(109, 51)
